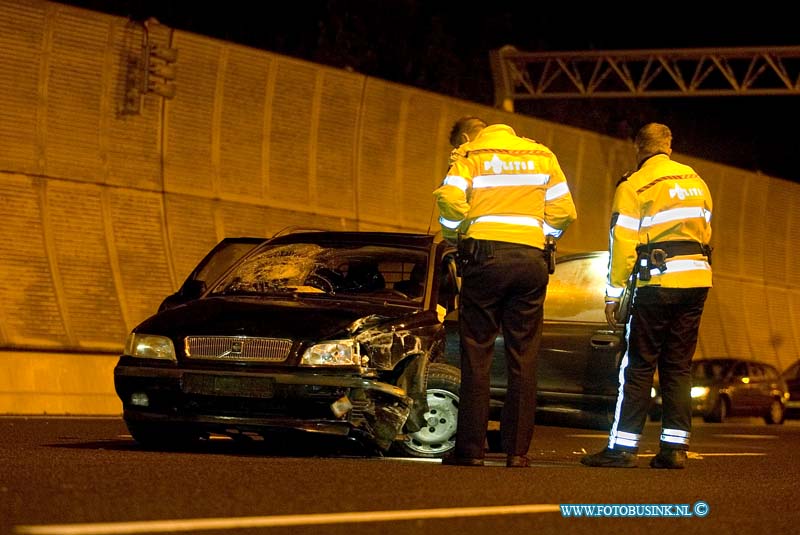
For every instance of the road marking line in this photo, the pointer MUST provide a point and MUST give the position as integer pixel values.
(164, 526)
(770, 437)
(701, 455)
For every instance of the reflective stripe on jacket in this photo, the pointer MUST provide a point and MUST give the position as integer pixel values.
(663, 201)
(506, 188)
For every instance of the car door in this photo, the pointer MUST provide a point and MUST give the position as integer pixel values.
(739, 391)
(580, 353)
(762, 385)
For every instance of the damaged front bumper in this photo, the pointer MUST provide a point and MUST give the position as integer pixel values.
(227, 402)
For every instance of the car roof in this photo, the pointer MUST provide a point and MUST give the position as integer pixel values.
(357, 237)
(579, 255)
(584, 254)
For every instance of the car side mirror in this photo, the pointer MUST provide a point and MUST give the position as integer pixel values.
(192, 289)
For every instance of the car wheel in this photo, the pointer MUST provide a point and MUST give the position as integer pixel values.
(719, 413)
(438, 435)
(775, 415)
(160, 437)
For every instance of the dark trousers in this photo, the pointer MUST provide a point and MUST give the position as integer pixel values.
(504, 290)
(662, 334)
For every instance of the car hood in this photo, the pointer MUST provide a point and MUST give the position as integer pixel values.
(278, 318)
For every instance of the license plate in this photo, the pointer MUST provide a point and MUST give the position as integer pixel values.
(231, 386)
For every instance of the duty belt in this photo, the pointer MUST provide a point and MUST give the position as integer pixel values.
(654, 255)
(474, 250)
(676, 248)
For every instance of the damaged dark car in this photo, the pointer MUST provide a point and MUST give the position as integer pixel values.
(338, 333)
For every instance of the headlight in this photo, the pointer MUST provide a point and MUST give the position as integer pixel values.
(652, 392)
(150, 346)
(699, 391)
(333, 353)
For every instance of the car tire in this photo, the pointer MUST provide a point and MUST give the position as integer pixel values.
(154, 436)
(719, 413)
(776, 414)
(438, 437)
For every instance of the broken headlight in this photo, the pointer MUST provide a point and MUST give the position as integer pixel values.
(332, 353)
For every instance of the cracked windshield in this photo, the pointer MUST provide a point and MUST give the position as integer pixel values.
(309, 268)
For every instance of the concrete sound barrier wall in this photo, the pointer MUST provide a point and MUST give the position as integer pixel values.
(105, 208)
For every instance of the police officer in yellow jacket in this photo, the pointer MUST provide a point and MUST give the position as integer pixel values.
(660, 232)
(502, 195)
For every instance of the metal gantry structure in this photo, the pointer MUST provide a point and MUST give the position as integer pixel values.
(691, 72)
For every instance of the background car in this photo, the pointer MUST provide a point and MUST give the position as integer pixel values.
(791, 377)
(391, 299)
(732, 386)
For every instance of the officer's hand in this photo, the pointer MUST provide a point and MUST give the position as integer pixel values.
(611, 313)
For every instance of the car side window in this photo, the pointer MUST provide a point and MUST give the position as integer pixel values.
(739, 370)
(770, 373)
(576, 290)
(224, 257)
(756, 372)
(211, 267)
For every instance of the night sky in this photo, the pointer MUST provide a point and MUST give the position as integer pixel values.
(443, 46)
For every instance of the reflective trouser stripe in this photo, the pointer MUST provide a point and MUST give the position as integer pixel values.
(625, 442)
(612, 437)
(675, 436)
(629, 440)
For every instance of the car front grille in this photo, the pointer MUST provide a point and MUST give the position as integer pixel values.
(237, 348)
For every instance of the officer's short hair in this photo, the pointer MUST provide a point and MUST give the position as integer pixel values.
(469, 125)
(653, 138)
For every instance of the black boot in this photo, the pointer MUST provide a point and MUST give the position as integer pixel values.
(609, 458)
(669, 458)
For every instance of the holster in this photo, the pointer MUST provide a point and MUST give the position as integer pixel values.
(707, 249)
(550, 253)
(471, 250)
(643, 266)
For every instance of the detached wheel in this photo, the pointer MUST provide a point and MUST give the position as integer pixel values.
(776, 413)
(438, 435)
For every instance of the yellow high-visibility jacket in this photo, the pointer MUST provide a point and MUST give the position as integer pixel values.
(663, 201)
(506, 188)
